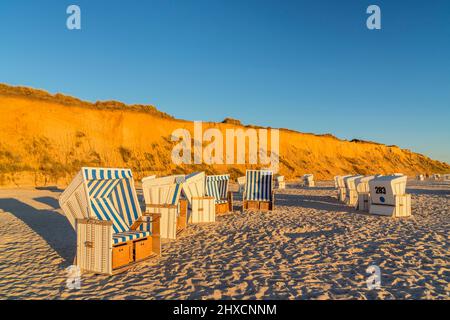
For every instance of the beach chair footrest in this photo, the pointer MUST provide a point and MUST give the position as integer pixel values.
(222, 208)
(143, 248)
(258, 205)
(122, 254)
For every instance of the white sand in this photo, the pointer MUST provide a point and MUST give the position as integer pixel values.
(311, 247)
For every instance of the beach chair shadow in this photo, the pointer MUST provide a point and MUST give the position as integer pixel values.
(437, 192)
(51, 202)
(50, 225)
(50, 188)
(327, 203)
(322, 188)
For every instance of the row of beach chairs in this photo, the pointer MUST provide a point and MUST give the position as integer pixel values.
(435, 177)
(377, 194)
(113, 232)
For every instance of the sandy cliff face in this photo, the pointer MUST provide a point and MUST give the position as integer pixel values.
(45, 139)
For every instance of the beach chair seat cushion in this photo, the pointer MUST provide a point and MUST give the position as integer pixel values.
(129, 235)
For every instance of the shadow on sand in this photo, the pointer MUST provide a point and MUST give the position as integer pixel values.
(437, 192)
(327, 203)
(51, 202)
(51, 226)
(50, 188)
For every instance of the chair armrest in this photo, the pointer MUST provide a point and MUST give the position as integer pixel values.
(155, 220)
(154, 216)
(148, 207)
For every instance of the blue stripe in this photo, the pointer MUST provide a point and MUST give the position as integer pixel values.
(125, 202)
(118, 199)
(119, 225)
(98, 188)
(133, 205)
(175, 194)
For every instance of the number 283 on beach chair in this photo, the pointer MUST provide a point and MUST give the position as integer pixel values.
(258, 193)
(112, 233)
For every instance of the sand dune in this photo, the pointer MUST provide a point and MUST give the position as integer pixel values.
(45, 139)
(311, 247)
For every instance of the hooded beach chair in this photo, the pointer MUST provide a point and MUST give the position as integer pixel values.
(162, 196)
(351, 196)
(258, 193)
(308, 180)
(203, 207)
(336, 178)
(388, 197)
(341, 192)
(102, 206)
(280, 182)
(363, 191)
(217, 187)
(436, 176)
(241, 183)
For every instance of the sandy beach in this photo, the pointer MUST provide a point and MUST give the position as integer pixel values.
(310, 247)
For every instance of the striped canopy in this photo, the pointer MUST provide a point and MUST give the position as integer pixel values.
(194, 185)
(164, 190)
(217, 187)
(258, 186)
(112, 196)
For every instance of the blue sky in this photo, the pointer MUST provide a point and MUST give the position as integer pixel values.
(311, 66)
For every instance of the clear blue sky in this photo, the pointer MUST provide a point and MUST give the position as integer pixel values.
(311, 66)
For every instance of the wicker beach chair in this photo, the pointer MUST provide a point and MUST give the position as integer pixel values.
(308, 180)
(162, 196)
(341, 191)
(388, 196)
(363, 191)
(258, 193)
(351, 196)
(217, 187)
(112, 234)
(203, 207)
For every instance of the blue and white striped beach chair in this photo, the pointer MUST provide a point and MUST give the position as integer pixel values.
(217, 187)
(102, 206)
(202, 207)
(162, 196)
(258, 193)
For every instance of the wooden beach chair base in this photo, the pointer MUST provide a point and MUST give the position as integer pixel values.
(258, 205)
(97, 254)
(401, 208)
(222, 208)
